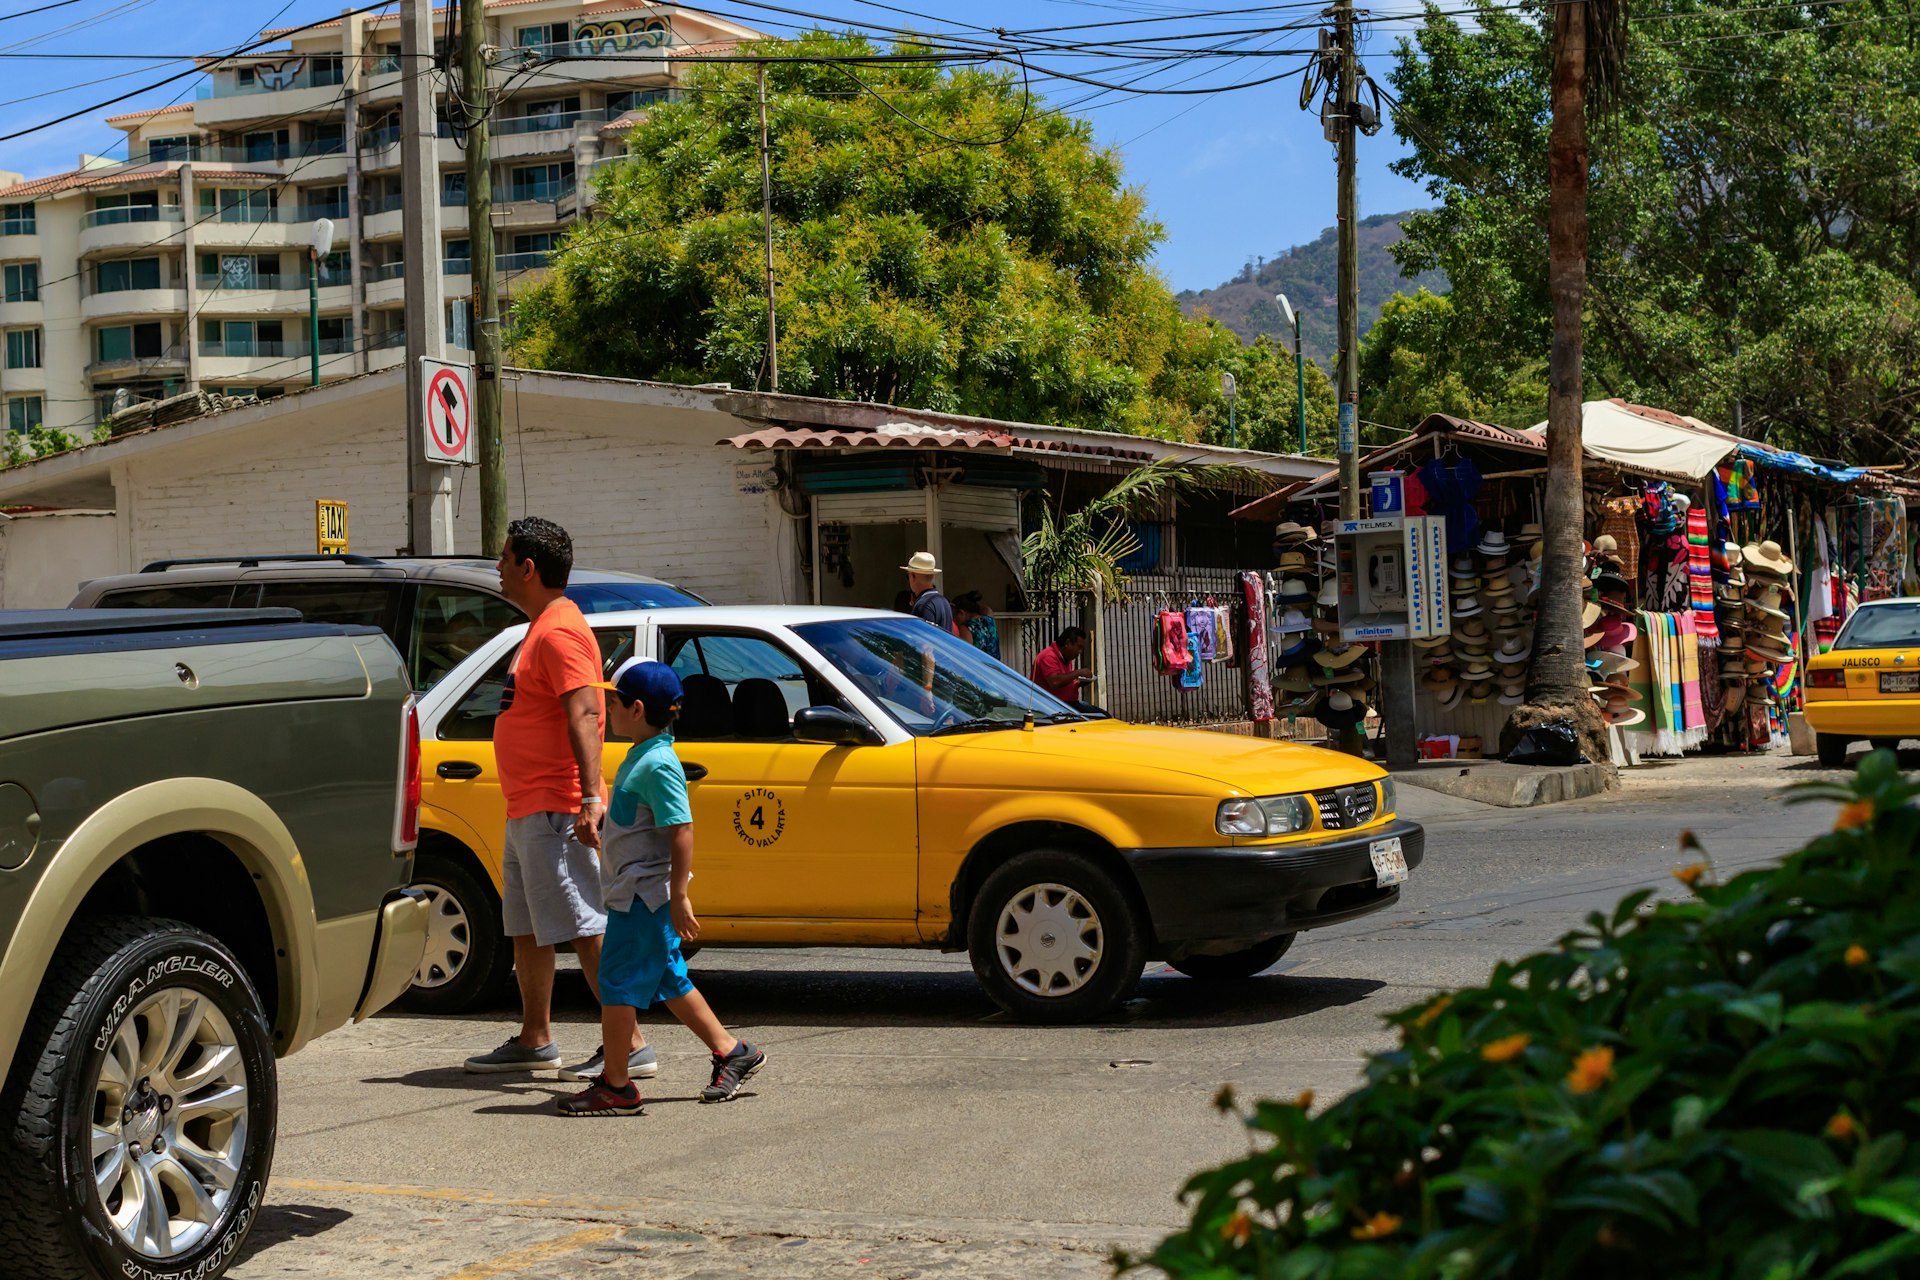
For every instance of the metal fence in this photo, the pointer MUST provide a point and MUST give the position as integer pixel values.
(1126, 637)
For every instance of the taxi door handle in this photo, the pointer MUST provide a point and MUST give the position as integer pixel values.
(460, 770)
(694, 772)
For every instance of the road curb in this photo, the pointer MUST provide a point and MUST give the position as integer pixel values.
(1510, 786)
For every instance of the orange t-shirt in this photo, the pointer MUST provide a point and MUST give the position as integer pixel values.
(537, 770)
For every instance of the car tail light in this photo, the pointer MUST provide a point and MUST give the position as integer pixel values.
(406, 817)
(1827, 678)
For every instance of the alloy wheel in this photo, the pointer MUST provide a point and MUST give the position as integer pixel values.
(169, 1123)
(449, 938)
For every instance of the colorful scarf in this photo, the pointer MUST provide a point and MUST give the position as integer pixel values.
(1700, 575)
(1668, 650)
(1687, 642)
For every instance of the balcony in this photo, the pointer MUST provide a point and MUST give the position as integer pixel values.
(314, 212)
(215, 280)
(519, 262)
(325, 71)
(237, 304)
(134, 227)
(233, 104)
(456, 266)
(133, 302)
(170, 358)
(34, 379)
(252, 228)
(386, 350)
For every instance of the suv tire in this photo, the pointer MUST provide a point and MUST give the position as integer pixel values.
(1053, 938)
(76, 1103)
(1236, 964)
(468, 960)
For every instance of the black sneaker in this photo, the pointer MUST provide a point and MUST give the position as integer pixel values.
(602, 1099)
(732, 1071)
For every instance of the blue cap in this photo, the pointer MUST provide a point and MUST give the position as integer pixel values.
(652, 684)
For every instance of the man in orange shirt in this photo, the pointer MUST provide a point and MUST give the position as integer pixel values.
(547, 744)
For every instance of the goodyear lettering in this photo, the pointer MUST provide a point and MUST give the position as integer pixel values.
(216, 1261)
(158, 970)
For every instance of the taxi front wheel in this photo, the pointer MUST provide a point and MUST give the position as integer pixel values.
(1053, 938)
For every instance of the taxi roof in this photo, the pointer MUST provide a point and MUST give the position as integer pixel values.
(741, 615)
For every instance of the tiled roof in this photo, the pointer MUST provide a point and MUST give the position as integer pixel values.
(624, 121)
(178, 108)
(118, 176)
(904, 435)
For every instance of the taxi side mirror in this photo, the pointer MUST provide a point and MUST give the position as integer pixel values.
(832, 727)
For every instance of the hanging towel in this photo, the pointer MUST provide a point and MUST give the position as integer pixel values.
(1687, 640)
(1259, 675)
(1819, 591)
(1223, 634)
(1200, 625)
(1194, 674)
(1175, 653)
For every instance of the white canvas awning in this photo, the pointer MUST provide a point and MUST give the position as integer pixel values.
(1633, 437)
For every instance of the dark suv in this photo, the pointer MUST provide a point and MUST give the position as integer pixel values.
(437, 610)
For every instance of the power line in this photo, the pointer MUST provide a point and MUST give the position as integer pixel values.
(28, 13)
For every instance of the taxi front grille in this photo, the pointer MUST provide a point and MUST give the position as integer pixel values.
(1344, 807)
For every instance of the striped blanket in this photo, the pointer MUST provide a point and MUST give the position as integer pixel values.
(1668, 650)
(1700, 575)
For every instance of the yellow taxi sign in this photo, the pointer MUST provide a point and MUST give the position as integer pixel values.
(330, 532)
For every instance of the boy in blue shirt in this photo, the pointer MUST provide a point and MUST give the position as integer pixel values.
(646, 860)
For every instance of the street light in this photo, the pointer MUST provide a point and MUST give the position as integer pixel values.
(320, 246)
(1230, 389)
(1299, 367)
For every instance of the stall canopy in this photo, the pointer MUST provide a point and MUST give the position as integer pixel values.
(1647, 439)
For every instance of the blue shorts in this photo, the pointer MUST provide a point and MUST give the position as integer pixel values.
(640, 960)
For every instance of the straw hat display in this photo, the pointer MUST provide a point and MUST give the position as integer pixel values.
(1289, 534)
(1767, 557)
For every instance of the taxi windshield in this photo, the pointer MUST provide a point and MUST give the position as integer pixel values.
(1882, 626)
(888, 658)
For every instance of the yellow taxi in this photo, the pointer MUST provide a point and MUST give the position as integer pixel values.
(838, 801)
(1868, 684)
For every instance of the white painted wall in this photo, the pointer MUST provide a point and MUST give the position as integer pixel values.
(44, 555)
(641, 489)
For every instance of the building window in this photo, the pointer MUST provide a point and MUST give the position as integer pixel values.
(244, 338)
(536, 242)
(130, 342)
(328, 69)
(239, 204)
(23, 348)
(336, 335)
(335, 268)
(240, 271)
(22, 282)
(540, 37)
(126, 273)
(540, 181)
(243, 76)
(23, 413)
(17, 219)
(453, 188)
(159, 149)
(626, 100)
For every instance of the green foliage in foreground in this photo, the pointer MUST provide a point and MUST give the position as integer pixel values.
(1728, 1086)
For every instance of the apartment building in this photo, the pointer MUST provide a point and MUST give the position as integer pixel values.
(186, 265)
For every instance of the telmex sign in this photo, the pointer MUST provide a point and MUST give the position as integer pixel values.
(622, 35)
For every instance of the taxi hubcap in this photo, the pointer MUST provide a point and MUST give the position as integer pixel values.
(169, 1125)
(449, 937)
(1049, 940)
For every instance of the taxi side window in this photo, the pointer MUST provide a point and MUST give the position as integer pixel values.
(449, 624)
(739, 688)
(472, 718)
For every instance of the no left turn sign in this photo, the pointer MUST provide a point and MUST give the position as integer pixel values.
(447, 415)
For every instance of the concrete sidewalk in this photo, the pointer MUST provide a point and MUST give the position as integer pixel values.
(1510, 786)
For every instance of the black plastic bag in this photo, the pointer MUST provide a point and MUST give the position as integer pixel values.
(1554, 743)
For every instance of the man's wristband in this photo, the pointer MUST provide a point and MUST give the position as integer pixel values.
(592, 800)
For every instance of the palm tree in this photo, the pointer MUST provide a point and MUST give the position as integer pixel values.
(1083, 550)
(1589, 46)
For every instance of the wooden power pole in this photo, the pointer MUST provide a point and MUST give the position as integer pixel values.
(485, 319)
(766, 224)
(1348, 289)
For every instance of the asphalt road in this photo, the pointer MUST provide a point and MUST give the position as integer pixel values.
(902, 1126)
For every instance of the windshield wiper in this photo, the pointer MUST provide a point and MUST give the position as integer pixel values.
(979, 724)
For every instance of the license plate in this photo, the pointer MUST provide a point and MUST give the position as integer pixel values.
(1389, 862)
(1900, 682)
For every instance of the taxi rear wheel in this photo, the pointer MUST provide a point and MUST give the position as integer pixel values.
(1832, 749)
(1054, 938)
(1237, 964)
(467, 961)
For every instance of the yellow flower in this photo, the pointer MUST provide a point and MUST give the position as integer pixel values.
(1237, 1228)
(1379, 1226)
(1305, 1099)
(1593, 1068)
(1857, 814)
(1690, 874)
(1841, 1128)
(1432, 1011)
(1857, 955)
(1507, 1048)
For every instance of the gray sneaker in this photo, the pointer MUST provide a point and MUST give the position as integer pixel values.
(642, 1064)
(514, 1056)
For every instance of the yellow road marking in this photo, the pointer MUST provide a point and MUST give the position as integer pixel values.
(508, 1263)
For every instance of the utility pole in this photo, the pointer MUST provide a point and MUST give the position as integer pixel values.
(1348, 290)
(485, 306)
(429, 487)
(766, 222)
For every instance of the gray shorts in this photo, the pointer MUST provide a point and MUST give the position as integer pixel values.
(549, 882)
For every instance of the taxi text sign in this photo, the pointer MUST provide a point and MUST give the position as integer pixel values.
(330, 521)
(446, 417)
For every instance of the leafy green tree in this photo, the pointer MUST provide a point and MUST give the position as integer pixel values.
(1417, 360)
(1267, 392)
(1753, 221)
(938, 241)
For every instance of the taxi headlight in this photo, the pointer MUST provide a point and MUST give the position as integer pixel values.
(1389, 798)
(1265, 816)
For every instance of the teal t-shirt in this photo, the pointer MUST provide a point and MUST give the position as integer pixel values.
(649, 796)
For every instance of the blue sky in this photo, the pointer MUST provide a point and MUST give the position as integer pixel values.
(1231, 175)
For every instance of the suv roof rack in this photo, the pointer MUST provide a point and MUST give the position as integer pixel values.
(333, 557)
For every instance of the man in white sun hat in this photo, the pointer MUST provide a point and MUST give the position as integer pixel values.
(928, 604)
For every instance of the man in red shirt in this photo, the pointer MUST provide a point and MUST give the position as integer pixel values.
(1055, 667)
(547, 744)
